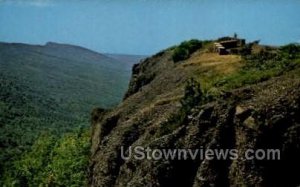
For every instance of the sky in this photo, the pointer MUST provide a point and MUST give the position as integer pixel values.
(145, 27)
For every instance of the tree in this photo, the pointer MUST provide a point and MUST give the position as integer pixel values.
(193, 95)
(180, 54)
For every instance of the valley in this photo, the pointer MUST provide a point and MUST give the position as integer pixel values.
(51, 89)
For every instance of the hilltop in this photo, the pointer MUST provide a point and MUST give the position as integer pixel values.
(190, 96)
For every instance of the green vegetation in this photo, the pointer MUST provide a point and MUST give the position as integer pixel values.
(291, 51)
(262, 66)
(44, 97)
(53, 162)
(258, 67)
(51, 89)
(193, 96)
(185, 49)
(218, 74)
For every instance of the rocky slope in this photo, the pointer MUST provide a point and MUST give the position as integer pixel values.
(255, 116)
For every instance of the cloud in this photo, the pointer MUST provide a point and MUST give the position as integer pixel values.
(36, 3)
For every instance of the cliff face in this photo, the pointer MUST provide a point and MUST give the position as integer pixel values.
(260, 116)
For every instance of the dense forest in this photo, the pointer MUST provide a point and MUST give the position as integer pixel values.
(47, 93)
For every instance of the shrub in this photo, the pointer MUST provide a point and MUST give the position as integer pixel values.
(262, 60)
(180, 54)
(192, 95)
(192, 45)
(185, 49)
(262, 66)
(292, 51)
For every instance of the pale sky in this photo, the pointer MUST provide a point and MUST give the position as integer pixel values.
(146, 26)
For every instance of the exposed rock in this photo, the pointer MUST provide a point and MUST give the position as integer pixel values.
(250, 122)
(254, 117)
(239, 110)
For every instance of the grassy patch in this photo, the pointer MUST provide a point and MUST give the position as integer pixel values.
(260, 67)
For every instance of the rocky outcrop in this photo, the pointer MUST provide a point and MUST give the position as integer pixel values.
(262, 116)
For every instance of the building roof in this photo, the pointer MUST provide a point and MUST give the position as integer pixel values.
(229, 41)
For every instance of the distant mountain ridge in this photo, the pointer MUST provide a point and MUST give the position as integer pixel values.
(52, 88)
(46, 66)
(78, 53)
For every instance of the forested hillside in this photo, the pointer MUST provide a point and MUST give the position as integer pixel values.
(47, 91)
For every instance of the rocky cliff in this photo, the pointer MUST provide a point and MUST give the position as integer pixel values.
(263, 114)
